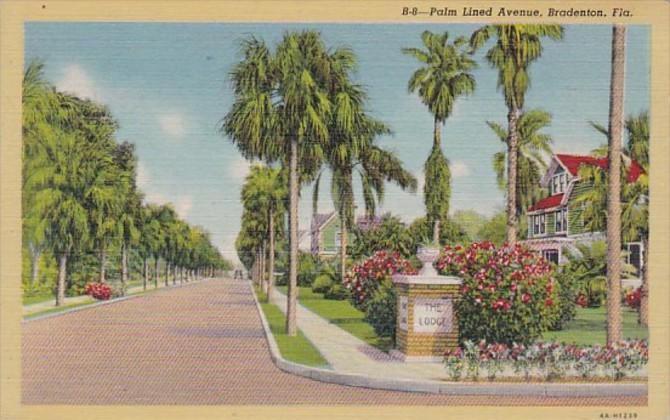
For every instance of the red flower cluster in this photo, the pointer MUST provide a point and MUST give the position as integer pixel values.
(582, 300)
(632, 298)
(99, 291)
(509, 285)
(364, 278)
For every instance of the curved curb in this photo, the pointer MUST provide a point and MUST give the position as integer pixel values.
(439, 387)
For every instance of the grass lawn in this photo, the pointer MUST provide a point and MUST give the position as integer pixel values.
(58, 309)
(589, 327)
(342, 314)
(295, 349)
(41, 297)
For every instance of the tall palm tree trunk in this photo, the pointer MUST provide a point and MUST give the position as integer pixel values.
(124, 267)
(343, 246)
(103, 261)
(512, 163)
(263, 260)
(271, 255)
(175, 269)
(437, 143)
(292, 296)
(156, 273)
(614, 185)
(167, 273)
(145, 279)
(62, 272)
(35, 254)
(644, 289)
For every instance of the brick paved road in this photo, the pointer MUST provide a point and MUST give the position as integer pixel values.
(199, 344)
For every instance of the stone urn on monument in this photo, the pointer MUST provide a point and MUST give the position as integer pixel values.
(427, 323)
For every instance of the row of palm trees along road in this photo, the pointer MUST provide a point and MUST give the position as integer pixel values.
(298, 110)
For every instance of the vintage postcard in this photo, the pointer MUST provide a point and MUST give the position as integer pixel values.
(375, 209)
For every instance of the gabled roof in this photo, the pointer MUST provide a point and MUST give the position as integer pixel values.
(366, 223)
(320, 219)
(573, 162)
(547, 202)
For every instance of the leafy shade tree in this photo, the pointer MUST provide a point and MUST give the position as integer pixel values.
(282, 112)
(515, 48)
(533, 148)
(451, 232)
(444, 76)
(390, 234)
(494, 229)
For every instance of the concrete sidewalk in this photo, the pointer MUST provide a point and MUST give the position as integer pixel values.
(348, 354)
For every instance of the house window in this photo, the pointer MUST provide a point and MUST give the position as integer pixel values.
(536, 225)
(542, 224)
(550, 255)
(561, 217)
(558, 183)
(633, 256)
(338, 239)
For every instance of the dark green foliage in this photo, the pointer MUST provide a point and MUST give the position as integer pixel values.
(322, 283)
(437, 188)
(336, 292)
(567, 294)
(382, 309)
(451, 232)
(390, 235)
(494, 229)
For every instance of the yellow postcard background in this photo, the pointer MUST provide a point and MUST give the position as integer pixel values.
(14, 13)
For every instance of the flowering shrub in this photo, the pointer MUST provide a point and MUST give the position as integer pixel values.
(632, 298)
(365, 278)
(509, 294)
(582, 300)
(546, 360)
(99, 291)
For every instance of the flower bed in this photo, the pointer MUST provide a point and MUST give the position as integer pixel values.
(99, 291)
(546, 361)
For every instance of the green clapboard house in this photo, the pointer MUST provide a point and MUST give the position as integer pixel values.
(555, 223)
(326, 234)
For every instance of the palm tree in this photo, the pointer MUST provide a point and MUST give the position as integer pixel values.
(69, 175)
(534, 147)
(614, 185)
(516, 47)
(443, 78)
(281, 113)
(634, 194)
(263, 195)
(129, 218)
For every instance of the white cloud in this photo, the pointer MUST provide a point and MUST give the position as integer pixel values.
(172, 124)
(239, 169)
(77, 81)
(459, 169)
(183, 206)
(143, 178)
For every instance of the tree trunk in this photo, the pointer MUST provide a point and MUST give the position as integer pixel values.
(271, 256)
(644, 289)
(292, 295)
(103, 261)
(512, 155)
(35, 255)
(62, 272)
(264, 280)
(174, 274)
(156, 273)
(614, 186)
(437, 143)
(167, 273)
(181, 275)
(146, 273)
(343, 248)
(124, 267)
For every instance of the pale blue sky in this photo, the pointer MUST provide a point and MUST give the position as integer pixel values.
(166, 84)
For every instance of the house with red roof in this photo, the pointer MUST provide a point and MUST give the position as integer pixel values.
(555, 223)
